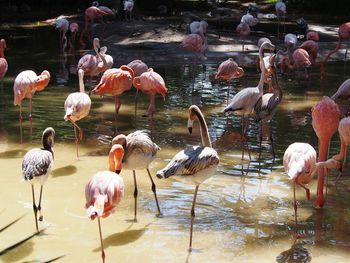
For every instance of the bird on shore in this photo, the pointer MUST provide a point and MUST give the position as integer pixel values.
(62, 25)
(128, 7)
(105, 190)
(3, 61)
(281, 11)
(194, 164)
(299, 161)
(150, 83)
(244, 101)
(36, 167)
(325, 121)
(139, 152)
(243, 29)
(25, 86)
(77, 106)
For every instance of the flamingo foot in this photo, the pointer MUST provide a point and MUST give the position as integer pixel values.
(31, 127)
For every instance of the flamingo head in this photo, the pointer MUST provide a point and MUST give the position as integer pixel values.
(42, 80)
(115, 158)
(192, 111)
(69, 116)
(119, 139)
(2, 44)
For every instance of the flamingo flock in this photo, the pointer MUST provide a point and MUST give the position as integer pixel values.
(194, 164)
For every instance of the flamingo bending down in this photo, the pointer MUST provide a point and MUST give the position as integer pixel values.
(114, 82)
(243, 29)
(344, 134)
(104, 190)
(128, 7)
(26, 84)
(343, 92)
(3, 61)
(244, 101)
(311, 47)
(195, 43)
(301, 59)
(325, 121)
(281, 11)
(62, 26)
(194, 164)
(77, 106)
(91, 13)
(151, 83)
(229, 70)
(36, 167)
(139, 152)
(299, 162)
(73, 28)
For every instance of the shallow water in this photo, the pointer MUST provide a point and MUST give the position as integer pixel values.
(243, 213)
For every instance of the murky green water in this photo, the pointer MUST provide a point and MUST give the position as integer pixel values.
(243, 213)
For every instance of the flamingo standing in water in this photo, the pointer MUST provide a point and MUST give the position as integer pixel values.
(36, 167)
(128, 7)
(281, 11)
(114, 82)
(325, 121)
(73, 28)
(243, 29)
(105, 190)
(300, 164)
(151, 83)
(139, 152)
(244, 101)
(3, 61)
(229, 70)
(139, 67)
(199, 27)
(77, 106)
(301, 59)
(25, 86)
(62, 26)
(311, 47)
(194, 164)
(343, 92)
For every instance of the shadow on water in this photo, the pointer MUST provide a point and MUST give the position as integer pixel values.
(18, 153)
(296, 254)
(64, 171)
(47, 261)
(11, 223)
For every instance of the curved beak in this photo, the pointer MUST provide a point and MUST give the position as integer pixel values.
(190, 125)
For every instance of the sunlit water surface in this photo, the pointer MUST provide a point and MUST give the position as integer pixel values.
(244, 212)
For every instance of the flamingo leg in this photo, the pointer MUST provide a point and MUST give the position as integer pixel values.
(307, 190)
(20, 122)
(39, 206)
(154, 192)
(246, 136)
(117, 106)
(242, 137)
(30, 119)
(295, 204)
(271, 139)
(193, 216)
(260, 138)
(35, 209)
(102, 249)
(151, 108)
(341, 169)
(136, 100)
(76, 140)
(135, 196)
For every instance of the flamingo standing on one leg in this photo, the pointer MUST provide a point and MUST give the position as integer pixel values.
(194, 164)
(229, 70)
(36, 167)
(243, 29)
(128, 7)
(151, 83)
(244, 101)
(114, 82)
(3, 61)
(139, 151)
(299, 162)
(105, 189)
(281, 11)
(25, 86)
(325, 121)
(77, 106)
(73, 28)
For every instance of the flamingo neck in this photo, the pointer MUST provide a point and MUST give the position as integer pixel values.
(47, 143)
(2, 53)
(276, 86)
(263, 71)
(203, 128)
(333, 51)
(81, 82)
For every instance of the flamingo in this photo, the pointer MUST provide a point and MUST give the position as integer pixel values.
(195, 43)
(311, 47)
(3, 61)
(343, 34)
(139, 151)
(244, 101)
(105, 190)
(105, 9)
(249, 19)
(229, 70)
(77, 106)
(73, 28)
(128, 7)
(194, 164)
(62, 26)
(325, 121)
(36, 167)
(151, 83)
(138, 66)
(243, 29)
(108, 63)
(25, 86)
(266, 106)
(260, 41)
(343, 92)
(312, 35)
(199, 27)
(344, 134)
(268, 61)
(115, 81)
(281, 11)
(299, 161)
(301, 59)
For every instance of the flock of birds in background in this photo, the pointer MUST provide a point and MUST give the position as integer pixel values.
(194, 164)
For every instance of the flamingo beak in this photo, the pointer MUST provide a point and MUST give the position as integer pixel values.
(190, 125)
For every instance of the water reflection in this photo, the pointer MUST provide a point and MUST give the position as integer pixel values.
(296, 254)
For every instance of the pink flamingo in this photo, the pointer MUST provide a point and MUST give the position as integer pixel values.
(290, 43)
(343, 92)
(151, 83)
(115, 82)
(229, 70)
(312, 35)
(244, 101)
(301, 59)
(105, 190)
(128, 7)
(25, 86)
(343, 34)
(139, 67)
(243, 30)
(344, 134)
(107, 63)
(199, 27)
(3, 61)
(325, 121)
(62, 26)
(281, 11)
(299, 162)
(195, 43)
(311, 47)
(77, 106)
(139, 151)
(73, 28)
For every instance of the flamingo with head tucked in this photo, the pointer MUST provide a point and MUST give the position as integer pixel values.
(3, 61)
(73, 28)
(105, 190)
(199, 27)
(301, 59)
(25, 86)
